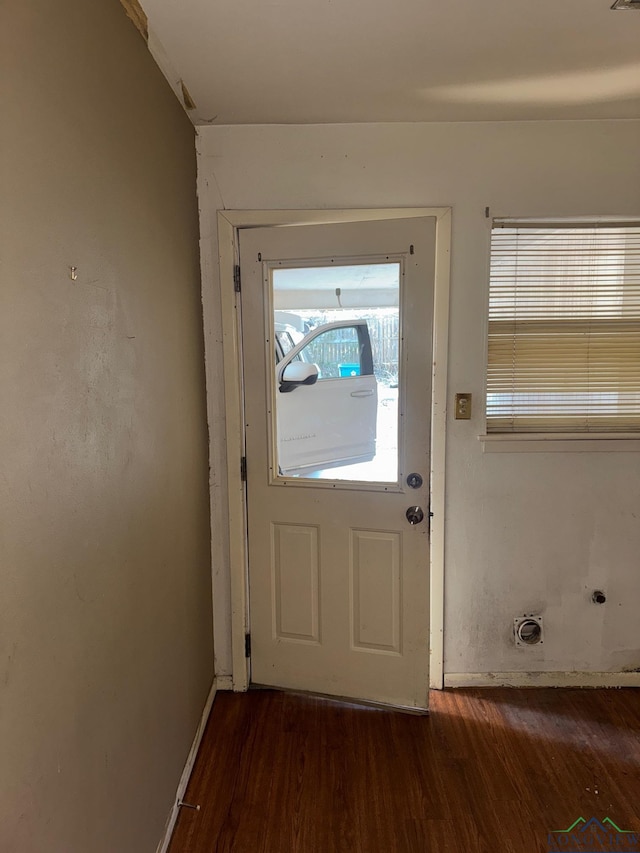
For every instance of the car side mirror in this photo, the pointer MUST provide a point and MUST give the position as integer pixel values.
(298, 373)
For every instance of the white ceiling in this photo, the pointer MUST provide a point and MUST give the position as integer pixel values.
(309, 61)
(341, 286)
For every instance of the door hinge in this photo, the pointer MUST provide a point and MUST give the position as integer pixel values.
(247, 645)
(236, 278)
(243, 469)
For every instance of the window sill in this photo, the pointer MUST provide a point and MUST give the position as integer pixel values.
(610, 442)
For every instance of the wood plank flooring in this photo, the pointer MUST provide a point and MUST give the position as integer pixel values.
(489, 771)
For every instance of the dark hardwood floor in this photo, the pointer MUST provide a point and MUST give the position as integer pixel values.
(489, 771)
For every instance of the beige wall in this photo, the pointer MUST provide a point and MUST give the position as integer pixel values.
(525, 532)
(105, 598)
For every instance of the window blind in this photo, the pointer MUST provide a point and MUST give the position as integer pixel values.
(564, 328)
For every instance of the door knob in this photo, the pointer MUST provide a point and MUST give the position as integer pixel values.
(414, 514)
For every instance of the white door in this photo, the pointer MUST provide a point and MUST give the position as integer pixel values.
(337, 419)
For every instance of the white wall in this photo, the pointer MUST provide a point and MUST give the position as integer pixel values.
(525, 532)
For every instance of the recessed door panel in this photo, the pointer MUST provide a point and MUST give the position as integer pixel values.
(376, 578)
(295, 582)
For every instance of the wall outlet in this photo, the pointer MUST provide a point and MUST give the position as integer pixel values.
(463, 407)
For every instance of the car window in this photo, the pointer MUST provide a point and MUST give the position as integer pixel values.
(340, 353)
(285, 342)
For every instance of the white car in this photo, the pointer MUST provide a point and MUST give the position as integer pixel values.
(327, 397)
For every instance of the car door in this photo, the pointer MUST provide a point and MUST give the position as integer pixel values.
(331, 422)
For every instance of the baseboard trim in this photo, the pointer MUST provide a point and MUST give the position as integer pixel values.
(542, 679)
(163, 846)
(224, 682)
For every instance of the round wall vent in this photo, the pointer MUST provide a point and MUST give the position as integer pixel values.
(528, 630)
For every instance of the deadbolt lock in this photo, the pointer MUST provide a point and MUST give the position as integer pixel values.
(414, 481)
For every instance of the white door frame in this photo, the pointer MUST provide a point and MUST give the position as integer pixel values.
(229, 224)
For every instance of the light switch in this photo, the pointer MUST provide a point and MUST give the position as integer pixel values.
(463, 407)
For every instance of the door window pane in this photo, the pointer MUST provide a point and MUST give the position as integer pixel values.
(337, 352)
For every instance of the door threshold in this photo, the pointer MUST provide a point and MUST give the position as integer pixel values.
(345, 700)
